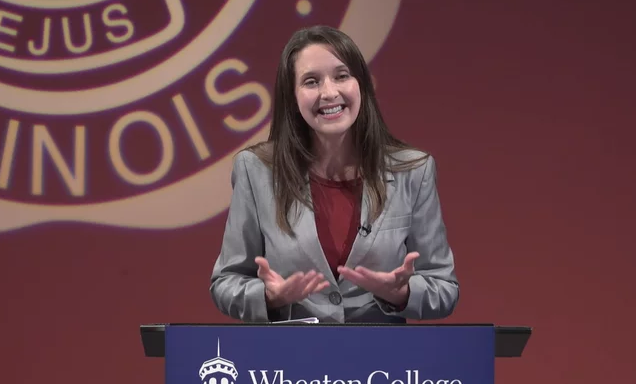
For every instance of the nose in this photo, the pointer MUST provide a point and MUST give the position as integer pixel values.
(329, 90)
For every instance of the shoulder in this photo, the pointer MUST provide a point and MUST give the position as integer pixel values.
(412, 170)
(248, 166)
(411, 162)
(255, 157)
(407, 154)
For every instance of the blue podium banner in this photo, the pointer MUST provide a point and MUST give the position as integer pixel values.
(323, 354)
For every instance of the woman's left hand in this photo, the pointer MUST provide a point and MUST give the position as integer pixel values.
(391, 286)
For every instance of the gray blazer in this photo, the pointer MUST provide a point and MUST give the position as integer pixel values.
(411, 221)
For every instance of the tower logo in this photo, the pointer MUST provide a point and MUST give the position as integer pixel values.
(218, 370)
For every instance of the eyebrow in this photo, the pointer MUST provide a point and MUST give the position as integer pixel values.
(314, 73)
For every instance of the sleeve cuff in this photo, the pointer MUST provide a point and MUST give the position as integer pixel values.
(389, 308)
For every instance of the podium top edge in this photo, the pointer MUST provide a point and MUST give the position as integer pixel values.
(510, 341)
(517, 329)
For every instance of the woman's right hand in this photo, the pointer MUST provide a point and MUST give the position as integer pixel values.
(280, 292)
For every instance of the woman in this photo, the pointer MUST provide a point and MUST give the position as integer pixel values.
(332, 217)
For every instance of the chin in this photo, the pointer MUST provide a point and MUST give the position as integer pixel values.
(332, 130)
(332, 127)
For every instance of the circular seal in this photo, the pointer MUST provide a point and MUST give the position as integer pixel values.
(129, 113)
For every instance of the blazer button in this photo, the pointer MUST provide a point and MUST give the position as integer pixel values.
(335, 298)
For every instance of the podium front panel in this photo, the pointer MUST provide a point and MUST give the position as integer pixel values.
(329, 355)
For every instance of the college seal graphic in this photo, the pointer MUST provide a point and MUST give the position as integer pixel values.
(128, 113)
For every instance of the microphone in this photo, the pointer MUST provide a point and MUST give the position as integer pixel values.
(364, 230)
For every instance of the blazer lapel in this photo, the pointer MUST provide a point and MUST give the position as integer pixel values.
(309, 243)
(363, 243)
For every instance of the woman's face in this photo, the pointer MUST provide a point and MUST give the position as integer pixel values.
(328, 96)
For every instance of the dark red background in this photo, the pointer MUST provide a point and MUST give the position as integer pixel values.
(528, 107)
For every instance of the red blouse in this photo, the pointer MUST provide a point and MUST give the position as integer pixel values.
(337, 212)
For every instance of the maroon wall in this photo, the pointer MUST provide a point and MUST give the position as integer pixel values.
(527, 106)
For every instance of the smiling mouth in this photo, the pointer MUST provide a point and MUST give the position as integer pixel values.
(331, 110)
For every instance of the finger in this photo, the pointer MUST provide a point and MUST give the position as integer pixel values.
(309, 276)
(372, 276)
(365, 271)
(409, 262)
(321, 286)
(287, 285)
(407, 269)
(355, 277)
(301, 285)
(408, 266)
(293, 280)
(263, 266)
(312, 284)
(265, 273)
(297, 284)
(287, 289)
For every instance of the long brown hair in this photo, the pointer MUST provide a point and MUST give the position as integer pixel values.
(288, 149)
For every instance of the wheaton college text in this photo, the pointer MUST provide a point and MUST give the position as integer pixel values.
(375, 377)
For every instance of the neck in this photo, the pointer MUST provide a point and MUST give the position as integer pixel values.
(335, 157)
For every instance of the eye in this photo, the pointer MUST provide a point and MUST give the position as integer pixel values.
(343, 76)
(310, 82)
